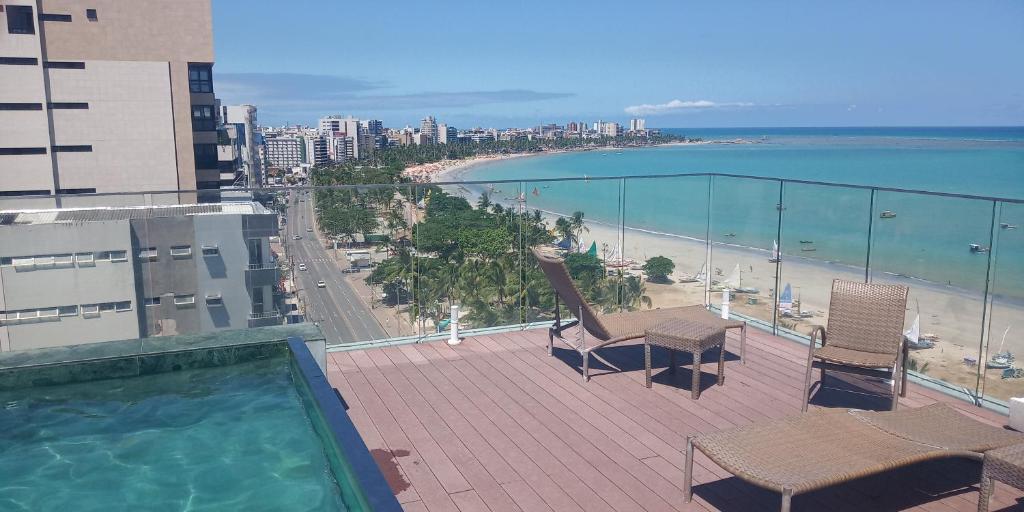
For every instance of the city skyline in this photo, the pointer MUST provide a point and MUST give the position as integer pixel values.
(703, 65)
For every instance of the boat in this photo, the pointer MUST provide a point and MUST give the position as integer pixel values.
(735, 282)
(807, 241)
(977, 248)
(779, 207)
(887, 214)
(1005, 225)
(730, 235)
(808, 249)
(698, 277)
(1002, 359)
(913, 336)
(786, 301)
(775, 252)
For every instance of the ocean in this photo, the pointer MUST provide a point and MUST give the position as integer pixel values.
(929, 238)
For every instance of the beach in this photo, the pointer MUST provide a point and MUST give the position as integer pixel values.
(447, 170)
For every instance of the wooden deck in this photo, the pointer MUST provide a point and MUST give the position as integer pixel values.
(496, 424)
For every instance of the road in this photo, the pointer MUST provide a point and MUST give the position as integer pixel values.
(342, 315)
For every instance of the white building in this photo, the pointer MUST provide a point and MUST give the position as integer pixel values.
(283, 152)
(244, 118)
(637, 125)
(428, 131)
(338, 127)
(611, 129)
(446, 134)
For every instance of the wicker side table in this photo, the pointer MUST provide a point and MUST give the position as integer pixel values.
(1003, 464)
(688, 336)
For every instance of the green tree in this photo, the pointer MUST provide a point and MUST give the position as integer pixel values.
(658, 269)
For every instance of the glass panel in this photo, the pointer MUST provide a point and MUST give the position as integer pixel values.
(744, 223)
(938, 246)
(583, 223)
(1005, 332)
(664, 241)
(824, 237)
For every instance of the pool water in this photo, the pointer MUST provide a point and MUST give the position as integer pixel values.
(228, 438)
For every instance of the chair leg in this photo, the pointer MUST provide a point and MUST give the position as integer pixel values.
(695, 384)
(807, 382)
(688, 471)
(985, 493)
(743, 343)
(721, 364)
(647, 365)
(586, 366)
(787, 499)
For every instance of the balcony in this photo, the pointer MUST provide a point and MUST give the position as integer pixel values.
(264, 319)
(261, 274)
(495, 420)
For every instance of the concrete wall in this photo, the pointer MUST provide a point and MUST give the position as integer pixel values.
(166, 276)
(224, 274)
(77, 284)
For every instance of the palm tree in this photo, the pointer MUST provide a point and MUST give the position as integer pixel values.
(577, 226)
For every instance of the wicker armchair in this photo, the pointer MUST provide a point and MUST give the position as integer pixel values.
(614, 328)
(864, 335)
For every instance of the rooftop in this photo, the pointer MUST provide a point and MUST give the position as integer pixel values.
(100, 214)
(496, 424)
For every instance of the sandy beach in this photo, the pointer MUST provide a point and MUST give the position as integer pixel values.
(446, 170)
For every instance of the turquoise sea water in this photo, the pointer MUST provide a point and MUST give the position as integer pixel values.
(928, 238)
(229, 438)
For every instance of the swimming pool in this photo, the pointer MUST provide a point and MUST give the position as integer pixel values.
(245, 436)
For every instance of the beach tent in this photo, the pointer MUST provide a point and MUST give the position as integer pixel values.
(593, 249)
(786, 299)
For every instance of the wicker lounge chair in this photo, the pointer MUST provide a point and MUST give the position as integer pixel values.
(614, 327)
(864, 335)
(811, 451)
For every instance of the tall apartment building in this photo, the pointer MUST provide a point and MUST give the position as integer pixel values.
(105, 96)
(81, 275)
(637, 125)
(332, 126)
(447, 134)
(244, 118)
(316, 150)
(283, 152)
(428, 129)
(611, 129)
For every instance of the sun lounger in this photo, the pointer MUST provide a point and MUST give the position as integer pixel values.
(810, 451)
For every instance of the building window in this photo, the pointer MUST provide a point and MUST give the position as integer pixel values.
(184, 300)
(91, 15)
(64, 260)
(107, 307)
(68, 311)
(118, 256)
(19, 61)
(90, 310)
(200, 78)
(51, 64)
(19, 19)
(21, 106)
(82, 148)
(214, 299)
(211, 250)
(22, 151)
(125, 305)
(152, 301)
(66, 105)
(73, 191)
(85, 258)
(181, 251)
(202, 118)
(19, 193)
(148, 254)
(54, 17)
(206, 156)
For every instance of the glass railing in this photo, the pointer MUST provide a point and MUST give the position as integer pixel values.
(379, 263)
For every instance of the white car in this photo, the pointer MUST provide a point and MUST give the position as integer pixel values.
(302, 267)
(321, 284)
(309, 230)
(297, 237)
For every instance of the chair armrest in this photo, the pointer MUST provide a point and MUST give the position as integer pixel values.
(815, 331)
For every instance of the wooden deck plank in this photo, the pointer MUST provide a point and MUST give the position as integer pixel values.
(496, 424)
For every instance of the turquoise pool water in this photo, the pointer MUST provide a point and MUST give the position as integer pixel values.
(228, 438)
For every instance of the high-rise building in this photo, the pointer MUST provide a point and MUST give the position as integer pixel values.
(341, 148)
(637, 125)
(244, 118)
(447, 134)
(106, 97)
(339, 127)
(73, 275)
(428, 129)
(316, 150)
(283, 152)
(611, 129)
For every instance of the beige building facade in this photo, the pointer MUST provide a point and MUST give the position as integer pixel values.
(105, 96)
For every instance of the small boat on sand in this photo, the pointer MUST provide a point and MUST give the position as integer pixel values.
(775, 252)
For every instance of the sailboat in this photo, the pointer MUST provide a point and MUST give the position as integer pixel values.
(913, 335)
(1001, 359)
(735, 282)
(775, 252)
(786, 301)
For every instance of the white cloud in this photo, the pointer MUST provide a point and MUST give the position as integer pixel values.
(680, 106)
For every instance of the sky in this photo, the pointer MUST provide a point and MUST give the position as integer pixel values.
(674, 63)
